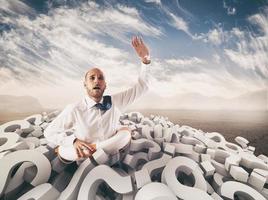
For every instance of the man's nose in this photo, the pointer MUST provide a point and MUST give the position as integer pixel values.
(96, 80)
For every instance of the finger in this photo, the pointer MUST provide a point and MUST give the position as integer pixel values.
(78, 151)
(77, 147)
(132, 39)
(133, 44)
(136, 41)
(90, 148)
(141, 41)
(85, 146)
(86, 153)
(81, 150)
(93, 150)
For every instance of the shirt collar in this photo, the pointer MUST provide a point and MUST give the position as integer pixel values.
(90, 102)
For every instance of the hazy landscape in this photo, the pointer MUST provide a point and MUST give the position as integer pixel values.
(253, 125)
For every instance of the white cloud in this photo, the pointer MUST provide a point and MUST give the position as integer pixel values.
(179, 23)
(16, 7)
(71, 35)
(249, 60)
(5, 74)
(208, 83)
(116, 22)
(128, 10)
(215, 36)
(243, 48)
(230, 10)
(154, 1)
(216, 58)
(237, 32)
(185, 62)
(49, 54)
(208, 77)
(251, 49)
(261, 21)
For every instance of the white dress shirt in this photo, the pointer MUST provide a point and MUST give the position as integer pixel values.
(89, 123)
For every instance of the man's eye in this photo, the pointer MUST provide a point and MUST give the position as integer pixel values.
(92, 78)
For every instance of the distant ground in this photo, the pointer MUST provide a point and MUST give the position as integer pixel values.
(6, 117)
(13, 116)
(253, 125)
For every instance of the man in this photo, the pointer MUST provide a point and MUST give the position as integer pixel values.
(95, 119)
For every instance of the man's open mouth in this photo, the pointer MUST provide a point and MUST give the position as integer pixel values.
(96, 88)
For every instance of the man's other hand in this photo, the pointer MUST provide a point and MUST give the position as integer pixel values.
(141, 49)
(84, 149)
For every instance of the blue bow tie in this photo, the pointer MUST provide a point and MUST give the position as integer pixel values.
(106, 105)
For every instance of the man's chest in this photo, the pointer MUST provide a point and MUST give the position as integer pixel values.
(93, 121)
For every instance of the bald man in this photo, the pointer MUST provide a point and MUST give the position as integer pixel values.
(93, 122)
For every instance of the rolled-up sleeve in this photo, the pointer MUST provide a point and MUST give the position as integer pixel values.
(127, 97)
(59, 129)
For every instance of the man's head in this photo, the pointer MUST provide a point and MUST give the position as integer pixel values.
(95, 83)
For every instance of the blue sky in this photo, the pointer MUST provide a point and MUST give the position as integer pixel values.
(213, 48)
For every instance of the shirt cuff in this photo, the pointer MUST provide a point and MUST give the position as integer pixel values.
(145, 73)
(144, 67)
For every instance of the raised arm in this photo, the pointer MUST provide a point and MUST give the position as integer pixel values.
(125, 98)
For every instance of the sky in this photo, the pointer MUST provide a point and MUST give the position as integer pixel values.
(211, 48)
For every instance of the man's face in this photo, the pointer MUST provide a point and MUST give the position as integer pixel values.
(95, 83)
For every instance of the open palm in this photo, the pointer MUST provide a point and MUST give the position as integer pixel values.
(141, 49)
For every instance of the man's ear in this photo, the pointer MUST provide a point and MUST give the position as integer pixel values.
(85, 85)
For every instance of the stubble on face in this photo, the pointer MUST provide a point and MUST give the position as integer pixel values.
(95, 84)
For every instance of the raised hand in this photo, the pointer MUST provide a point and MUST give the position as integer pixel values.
(141, 49)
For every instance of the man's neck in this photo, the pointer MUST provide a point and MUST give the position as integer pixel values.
(97, 100)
